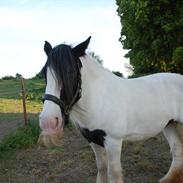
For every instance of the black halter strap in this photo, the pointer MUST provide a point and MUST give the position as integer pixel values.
(66, 108)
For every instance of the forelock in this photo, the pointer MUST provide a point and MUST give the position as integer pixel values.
(59, 58)
(63, 62)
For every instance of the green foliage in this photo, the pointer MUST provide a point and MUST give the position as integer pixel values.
(152, 31)
(35, 89)
(35, 94)
(177, 58)
(23, 137)
(18, 76)
(38, 76)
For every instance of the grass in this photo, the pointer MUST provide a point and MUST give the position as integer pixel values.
(10, 116)
(10, 89)
(11, 110)
(10, 98)
(23, 137)
(15, 106)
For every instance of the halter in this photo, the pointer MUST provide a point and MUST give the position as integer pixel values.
(65, 108)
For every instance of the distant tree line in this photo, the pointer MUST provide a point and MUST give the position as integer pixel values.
(152, 31)
(7, 78)
(17, 76)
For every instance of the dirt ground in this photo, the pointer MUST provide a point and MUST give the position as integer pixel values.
(74, 162)
(4, 127)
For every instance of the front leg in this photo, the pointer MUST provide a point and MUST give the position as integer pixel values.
(113, 150)
(101, 161)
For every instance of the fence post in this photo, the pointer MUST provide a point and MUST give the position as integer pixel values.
(23, 100)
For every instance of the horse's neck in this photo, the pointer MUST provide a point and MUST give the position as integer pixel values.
(91, 69)
(93, 72)
(93, 77)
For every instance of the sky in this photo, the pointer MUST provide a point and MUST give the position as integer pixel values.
(26, 24)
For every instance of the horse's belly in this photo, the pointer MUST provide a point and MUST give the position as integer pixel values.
(148, 118)
(139, 136)
(144, 129)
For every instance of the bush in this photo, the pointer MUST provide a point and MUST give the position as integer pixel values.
(35, 94)
(177, 59)
(38, 76)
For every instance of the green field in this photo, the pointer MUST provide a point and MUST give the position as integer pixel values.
(10, 96)
(11, 89)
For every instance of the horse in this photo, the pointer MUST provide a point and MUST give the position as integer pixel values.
(108, 109)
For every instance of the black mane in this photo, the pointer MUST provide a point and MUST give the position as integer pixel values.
(67, 70)
(64, 61)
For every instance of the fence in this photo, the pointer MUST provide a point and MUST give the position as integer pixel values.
(20, 100)
(23, 101)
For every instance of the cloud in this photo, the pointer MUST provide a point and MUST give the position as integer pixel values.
(23, 32)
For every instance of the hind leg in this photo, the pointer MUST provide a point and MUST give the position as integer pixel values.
(175, 173)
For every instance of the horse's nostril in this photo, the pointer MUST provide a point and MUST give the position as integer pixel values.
(57, 121)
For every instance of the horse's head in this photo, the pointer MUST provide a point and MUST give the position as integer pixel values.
(63, 89)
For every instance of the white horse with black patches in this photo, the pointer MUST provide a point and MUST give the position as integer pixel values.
(108, 109)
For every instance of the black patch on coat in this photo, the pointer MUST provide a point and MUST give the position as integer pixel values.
(95, 136)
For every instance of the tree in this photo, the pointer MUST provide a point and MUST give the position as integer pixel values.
(7, 78)
(152, 31)
(38, 76)
(18, 76)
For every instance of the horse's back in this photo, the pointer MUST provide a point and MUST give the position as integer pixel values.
(149, 102)
(161, 82)
(162, 77)
(162, 89)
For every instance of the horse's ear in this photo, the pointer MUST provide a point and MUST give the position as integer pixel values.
(47, 47)
(79, 50)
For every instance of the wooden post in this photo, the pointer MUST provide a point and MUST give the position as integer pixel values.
(23, 100)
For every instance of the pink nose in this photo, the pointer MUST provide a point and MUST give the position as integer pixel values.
(50, 123)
